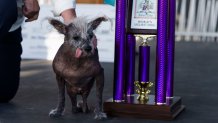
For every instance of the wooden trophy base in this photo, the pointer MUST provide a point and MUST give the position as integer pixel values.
(131, 107)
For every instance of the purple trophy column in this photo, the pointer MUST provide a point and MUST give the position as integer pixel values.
(119, 60)
(144, 61)
(130, 66)
(161, 54)
(171, 48)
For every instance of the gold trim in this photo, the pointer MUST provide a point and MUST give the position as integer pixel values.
(145, 36)
(143, 39)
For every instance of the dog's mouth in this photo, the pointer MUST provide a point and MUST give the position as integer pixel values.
(80, 52)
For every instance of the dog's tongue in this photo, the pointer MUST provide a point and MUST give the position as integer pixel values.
(78, 52)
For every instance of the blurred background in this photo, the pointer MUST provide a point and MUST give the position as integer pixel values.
(196, 20)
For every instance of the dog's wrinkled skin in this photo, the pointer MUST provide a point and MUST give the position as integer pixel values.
(77, 66)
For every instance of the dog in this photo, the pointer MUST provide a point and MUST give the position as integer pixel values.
(77, 65)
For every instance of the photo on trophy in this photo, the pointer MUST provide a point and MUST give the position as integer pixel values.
(142, 17)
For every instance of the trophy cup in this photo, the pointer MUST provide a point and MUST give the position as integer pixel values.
(146, 18)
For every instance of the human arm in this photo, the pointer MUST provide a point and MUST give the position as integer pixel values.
(65, 8)
(68, 15)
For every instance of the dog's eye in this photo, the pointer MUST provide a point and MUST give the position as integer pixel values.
(76, 37)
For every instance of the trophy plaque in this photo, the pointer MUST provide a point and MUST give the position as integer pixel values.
(142, 17)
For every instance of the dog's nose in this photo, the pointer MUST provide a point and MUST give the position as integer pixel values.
(88, 48)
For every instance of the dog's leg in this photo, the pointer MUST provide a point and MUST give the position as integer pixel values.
(99, 91)
(73, 99)
(57, 112)
(84, 103)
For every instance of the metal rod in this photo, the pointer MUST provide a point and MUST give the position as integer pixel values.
(144, 63)
(161, 57)
(130, 66)
(119, 61)
(171, 48)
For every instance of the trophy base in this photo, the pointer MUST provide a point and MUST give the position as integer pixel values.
(131, 107)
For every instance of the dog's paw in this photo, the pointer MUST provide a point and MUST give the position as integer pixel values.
(55, 113)
(100, 116)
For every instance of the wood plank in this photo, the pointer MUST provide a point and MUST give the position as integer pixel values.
(147, 110)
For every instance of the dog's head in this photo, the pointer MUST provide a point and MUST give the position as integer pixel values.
(79, 34)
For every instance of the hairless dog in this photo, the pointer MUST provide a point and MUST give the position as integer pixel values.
(77, 65)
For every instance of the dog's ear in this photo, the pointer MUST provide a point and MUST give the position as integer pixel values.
(61, 27)
(96, 22)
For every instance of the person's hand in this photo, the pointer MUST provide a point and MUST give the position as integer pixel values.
(31, 10)
(68, 15)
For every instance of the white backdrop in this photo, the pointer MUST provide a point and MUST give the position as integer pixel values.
(41, 41)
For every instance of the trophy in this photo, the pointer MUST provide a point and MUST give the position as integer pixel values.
(144, 19)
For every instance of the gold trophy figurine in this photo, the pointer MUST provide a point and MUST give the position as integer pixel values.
(143, 90)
